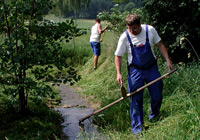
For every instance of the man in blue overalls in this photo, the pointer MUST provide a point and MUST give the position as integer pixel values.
(138, 41)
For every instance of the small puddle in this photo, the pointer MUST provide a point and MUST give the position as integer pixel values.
(73, 108)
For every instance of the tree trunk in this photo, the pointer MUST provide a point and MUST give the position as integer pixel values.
(22, 74)
(22, 101)
(75, 17)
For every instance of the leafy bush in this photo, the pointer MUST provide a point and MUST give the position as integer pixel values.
(116, 18)
(30, 52)
(174, 20)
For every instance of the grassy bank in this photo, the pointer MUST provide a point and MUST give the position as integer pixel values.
(179, 117)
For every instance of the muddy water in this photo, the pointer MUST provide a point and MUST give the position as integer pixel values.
(72, 109)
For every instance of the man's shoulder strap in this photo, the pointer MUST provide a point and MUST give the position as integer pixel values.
(129, 39)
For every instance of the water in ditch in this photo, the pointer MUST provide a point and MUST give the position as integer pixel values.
(73, 108)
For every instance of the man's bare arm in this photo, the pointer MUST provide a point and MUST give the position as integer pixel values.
(118, 61)
(164, 53)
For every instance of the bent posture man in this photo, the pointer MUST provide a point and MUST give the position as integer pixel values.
(138, 41)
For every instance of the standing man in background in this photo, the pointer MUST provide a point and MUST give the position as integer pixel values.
(96, 32)
(138, 41)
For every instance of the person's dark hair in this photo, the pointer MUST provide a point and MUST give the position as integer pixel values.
(98, 20)
(132, 19)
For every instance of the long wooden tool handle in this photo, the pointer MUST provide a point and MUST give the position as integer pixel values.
(130, 94)
(102, 36)
(104, 33)
(161, 77)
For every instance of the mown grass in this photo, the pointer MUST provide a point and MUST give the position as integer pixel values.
(179, 114)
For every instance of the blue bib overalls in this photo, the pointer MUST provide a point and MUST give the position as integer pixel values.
(143, 69)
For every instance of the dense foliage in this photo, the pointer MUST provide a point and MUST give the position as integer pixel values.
(91, 11)
(97, 6)
(175, 20)
(63, 7)
(30, 52)
(116, 17)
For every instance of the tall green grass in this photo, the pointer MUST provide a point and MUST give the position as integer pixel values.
(76, 49)
(179, 116)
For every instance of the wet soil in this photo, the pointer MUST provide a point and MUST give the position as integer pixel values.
(73, 108)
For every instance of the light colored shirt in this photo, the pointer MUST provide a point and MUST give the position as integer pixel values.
(95, 36)
(123, 45)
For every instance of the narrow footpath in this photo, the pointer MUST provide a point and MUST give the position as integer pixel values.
(72, 109)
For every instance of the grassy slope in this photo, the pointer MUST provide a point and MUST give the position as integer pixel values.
(179, 117)
(180, 113)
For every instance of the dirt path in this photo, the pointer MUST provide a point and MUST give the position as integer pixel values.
(72, 109)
